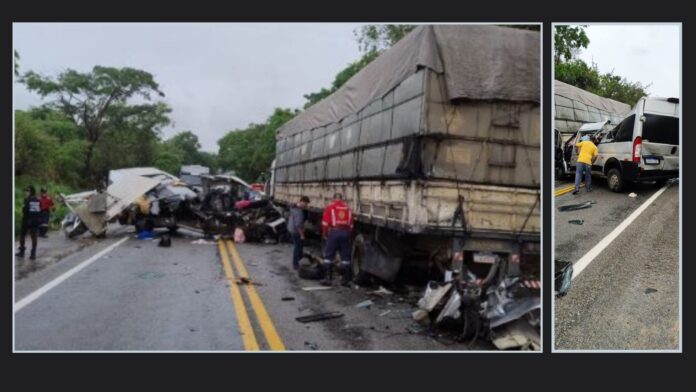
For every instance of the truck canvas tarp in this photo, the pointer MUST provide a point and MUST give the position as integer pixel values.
(435, 146)
(574, 107)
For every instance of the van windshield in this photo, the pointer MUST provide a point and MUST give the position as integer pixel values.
(661, 129)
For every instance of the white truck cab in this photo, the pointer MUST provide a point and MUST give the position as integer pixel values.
(644, 147)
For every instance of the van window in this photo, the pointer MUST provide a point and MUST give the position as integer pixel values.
(624, 131)
(661, 129)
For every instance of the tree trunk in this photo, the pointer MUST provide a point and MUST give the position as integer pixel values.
(88, 175)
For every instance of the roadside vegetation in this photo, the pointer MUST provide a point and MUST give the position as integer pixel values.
(568, 42)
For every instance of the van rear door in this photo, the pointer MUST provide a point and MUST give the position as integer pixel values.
(660, 135)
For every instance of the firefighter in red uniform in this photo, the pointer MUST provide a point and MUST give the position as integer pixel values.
(336, 227)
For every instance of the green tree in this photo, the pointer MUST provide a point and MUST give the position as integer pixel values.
(96, 99)
(250, 151)
(373, 39)
(340, 79)
(187, 143)
(168, 158)
(567, 41)
(379, 37)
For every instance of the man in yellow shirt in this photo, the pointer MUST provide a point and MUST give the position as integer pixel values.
(587, 154)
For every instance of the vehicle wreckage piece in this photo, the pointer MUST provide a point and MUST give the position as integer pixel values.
(563, 275)
(580, 206)
(95, 209)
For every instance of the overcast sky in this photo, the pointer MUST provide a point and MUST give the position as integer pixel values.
(647, 53)
(216, 77)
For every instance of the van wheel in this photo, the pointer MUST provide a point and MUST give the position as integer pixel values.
(360, 277)
(614, 180)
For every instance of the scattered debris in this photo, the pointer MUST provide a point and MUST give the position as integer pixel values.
(434, 293)
(420, 315)
(287, 299)
(311, 346)
(316, 288)
(247, 281)
(319, 317)
(573, 207)
(518, 334)
(381, 291)
(365, 304)
(632, 194)
(386, 312)
(650, 290)
(165, 241)
(239, 236)
(563, 276)
(576, 221)
(201, 241)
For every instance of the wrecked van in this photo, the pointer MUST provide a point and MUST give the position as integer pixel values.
(644, 147)
(435, 146)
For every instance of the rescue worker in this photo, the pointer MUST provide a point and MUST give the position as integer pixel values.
(587, 155)
(336, 227)
(46, 204)
(296, 222)
(31, 219)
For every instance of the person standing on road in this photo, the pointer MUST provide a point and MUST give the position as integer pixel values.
(296, 222)
(336, 227)
(587, 155)
(46, 204)
(31, 219)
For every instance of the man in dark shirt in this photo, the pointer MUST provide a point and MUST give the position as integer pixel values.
(31, 219)
(296, 222)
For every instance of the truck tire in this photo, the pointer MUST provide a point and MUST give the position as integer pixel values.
(360, 277)
(615, 181)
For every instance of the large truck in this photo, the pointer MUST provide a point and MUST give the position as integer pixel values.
(435, 146)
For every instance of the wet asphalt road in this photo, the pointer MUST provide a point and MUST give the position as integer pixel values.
(139, 296)
(628, 296)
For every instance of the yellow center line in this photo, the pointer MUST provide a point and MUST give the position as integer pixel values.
(565, 189)
(272, 338)
(248, 337)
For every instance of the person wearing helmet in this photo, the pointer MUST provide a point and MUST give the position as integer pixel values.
(31, 219)
(587, 155)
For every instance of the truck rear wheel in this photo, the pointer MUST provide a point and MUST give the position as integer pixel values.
(360, 277)
(615, 180)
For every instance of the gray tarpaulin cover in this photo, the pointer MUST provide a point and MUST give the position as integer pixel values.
(479, 62)
(589, 99)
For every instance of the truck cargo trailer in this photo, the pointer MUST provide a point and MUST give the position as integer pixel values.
(435, 146)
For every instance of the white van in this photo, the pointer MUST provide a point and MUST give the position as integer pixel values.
(644, 147)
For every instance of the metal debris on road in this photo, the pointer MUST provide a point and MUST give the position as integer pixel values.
(287, 299)
(319, 317)
(650, 290)
(573, 207)
(316, 288)
(632, 194)
(386, 312)
(563, 275)
(365, 304)
(381, 291)
(203, 242)
(576, 221)
(311, 346)
(245, 280)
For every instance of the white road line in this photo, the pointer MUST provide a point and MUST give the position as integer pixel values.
(55, 282)
(589, 256)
